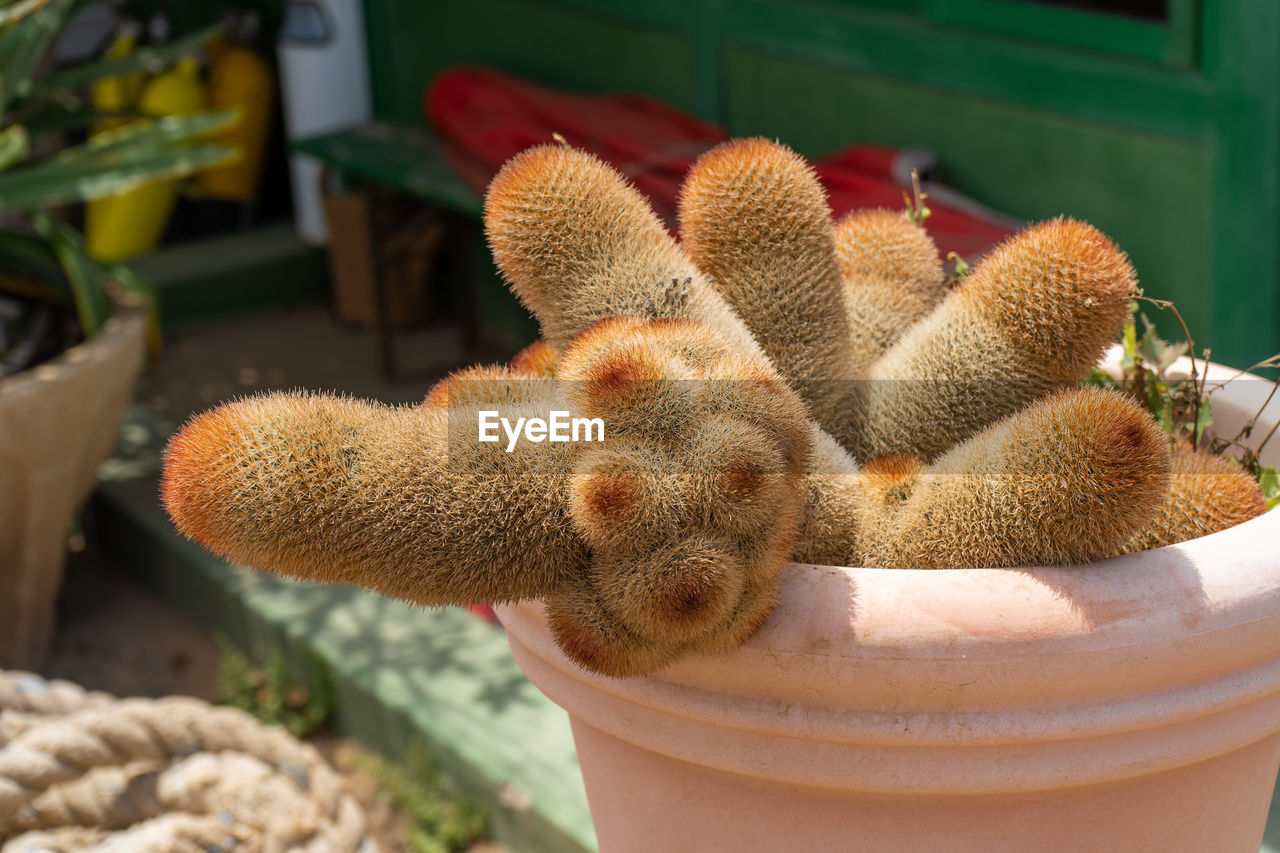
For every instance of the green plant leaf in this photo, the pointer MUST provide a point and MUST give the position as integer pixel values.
(1099, 378)
(24, 44)
(25, 288)
(87, 284)
(14, 145)
(1269, 480)
(1129, 341)
(31, 257)
(15, 11)
(142, 59)
(1162, 408)
(131, 281)
(1204, 417)
(61, 118)
(1160, 399)
(1157, 352)
(146, 136)
(62, 183)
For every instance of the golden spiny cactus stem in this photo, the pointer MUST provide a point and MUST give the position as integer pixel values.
(691, 507)
(1034, 316)
(755, 220)
(538, 359)
(1070, 479)
(1206, 494)
(836, 508)
(578, 243)
(338, 490)
(892, 277)
(664, 538)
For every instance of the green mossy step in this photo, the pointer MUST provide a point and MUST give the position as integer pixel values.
(400, 673)
(263, 268)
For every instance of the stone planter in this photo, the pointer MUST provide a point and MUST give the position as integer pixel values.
(58, 421)
(1129, 705)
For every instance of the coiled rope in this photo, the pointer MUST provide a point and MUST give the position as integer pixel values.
(85, 771)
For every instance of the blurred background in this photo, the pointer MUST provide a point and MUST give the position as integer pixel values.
(325, 233)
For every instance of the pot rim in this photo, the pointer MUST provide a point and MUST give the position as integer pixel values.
(125, 324)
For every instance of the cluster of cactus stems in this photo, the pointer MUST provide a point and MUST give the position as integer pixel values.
(775, 387)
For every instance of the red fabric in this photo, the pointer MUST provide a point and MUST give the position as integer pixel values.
(861, 176)
(490, 117)
(486, 117)
(484, 612)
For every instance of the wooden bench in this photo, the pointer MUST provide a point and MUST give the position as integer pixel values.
(379, 158)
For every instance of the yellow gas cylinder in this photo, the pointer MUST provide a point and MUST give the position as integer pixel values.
(239, 79)
(113, 95)
(120, 93)
(135, 221)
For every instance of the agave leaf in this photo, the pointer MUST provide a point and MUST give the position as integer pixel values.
(30, 289)
(23, 254)
(61, 183)
(14, 11)
(23, 45)
(87, 284)
(53, 117)
(142, 59)
(14, 145)
(145, 135)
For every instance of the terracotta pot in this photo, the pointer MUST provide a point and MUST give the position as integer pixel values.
(58, 421)
(1129, 705)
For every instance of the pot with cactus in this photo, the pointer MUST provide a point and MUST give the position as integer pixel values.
(858, 564)
(72, 329)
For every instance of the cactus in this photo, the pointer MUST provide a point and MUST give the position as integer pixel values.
(332, 489)
(835, 508)
(691, 507)
(668, 537)
(537, 359)
(591, 636)
(755, 220)
(892, 278)
(674, 526)
(1034, 316)
(1070, 479)
(577, 243)
(1206, 494)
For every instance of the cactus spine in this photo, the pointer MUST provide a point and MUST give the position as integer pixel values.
(1206, 494)
(755, 220)
(1070, 479)
(578, 243)
(675, 526)
(669, 537)
(1034, 316)
(337, 490)
(892, 278)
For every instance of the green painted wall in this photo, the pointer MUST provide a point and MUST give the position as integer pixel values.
(411, 40)
(1166, 136)
(1032, 163)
